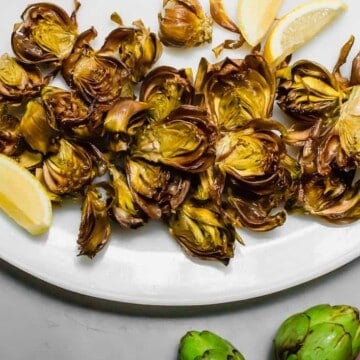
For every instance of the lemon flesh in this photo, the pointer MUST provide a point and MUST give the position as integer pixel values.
(23, 198)
(255, 18)
(299, 26)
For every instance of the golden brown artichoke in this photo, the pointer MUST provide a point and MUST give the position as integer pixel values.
(46, 34)
(10, 134)
(99, 77)
(236, 91)
(165, 89)
(185, 140)
(183, 23)
(95, 226)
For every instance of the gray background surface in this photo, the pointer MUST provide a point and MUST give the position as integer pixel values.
(41, 322)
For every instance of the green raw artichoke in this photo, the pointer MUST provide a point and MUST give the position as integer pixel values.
(322, 332)
(206, 345)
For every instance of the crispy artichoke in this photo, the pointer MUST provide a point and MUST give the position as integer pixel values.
(236, 91)
(156, 189)
(122, 121)
(206, 345)
(36, 129)
(46, 34)
(10, 134)
(95, 226)
(68, 113)
(322, 332)
(183, 23)
(307, 91)
(138, 48)
(185, 140)
(72, 167)
(18, 81)
(165, 89)
(202, 231)
(124, 209)
(99, 77)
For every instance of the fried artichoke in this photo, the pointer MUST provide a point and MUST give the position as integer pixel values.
(185, 140)
(138, 48)
(10, 133)
(46, 34)
(95, 226)
(183, 23)
(98, 76)
(156, 189)
(17, 81)
(165, 89)
(236, 91)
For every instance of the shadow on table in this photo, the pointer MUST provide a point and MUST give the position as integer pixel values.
(58, 294)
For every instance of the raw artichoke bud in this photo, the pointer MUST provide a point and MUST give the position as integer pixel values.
(95, 226)
(333, 197)
(46, 34)
(17, 81)
(322, 332)
(122, 121)
(138, 48)
(72, 167)
(183, 23)
(206, 345)
(165, 89)
(308, 92)
(36, 129)
(10, 133)
(202, 231)
(236, 91)
(68, 113)
(124, 208)
(99, 77)
(156, 189)
(184, 140)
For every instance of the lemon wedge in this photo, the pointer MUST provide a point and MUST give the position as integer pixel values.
(298, 26)
(23, 197)
(255, 17)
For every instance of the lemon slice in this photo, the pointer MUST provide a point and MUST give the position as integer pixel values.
(255, 18)
(23, 197)
(299, 26)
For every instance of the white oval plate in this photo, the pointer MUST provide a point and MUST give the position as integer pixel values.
(146, 266)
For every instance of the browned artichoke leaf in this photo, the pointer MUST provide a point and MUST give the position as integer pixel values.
(355, 70)
(183, 23)
(165, 89)
(157, 190)
(254, 212)
(124, 208)
(95, 227)
(45, 35)
(185, 140)
(36, 129)
(202, 231)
